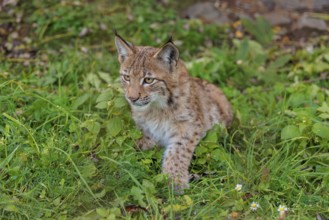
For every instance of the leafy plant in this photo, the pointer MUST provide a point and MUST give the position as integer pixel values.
(260, 29)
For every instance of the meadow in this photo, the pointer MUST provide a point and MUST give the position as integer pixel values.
(67, 140)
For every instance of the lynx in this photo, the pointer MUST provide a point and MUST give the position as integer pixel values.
(171, 108)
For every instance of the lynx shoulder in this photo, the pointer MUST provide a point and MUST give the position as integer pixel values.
(173, 109)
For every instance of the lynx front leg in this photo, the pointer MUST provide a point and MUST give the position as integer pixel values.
(145, 143)
(177, 159)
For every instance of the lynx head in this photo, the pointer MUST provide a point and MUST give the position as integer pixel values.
(147, 73)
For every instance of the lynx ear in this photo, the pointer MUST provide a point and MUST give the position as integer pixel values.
(168, 53)
(124, 48)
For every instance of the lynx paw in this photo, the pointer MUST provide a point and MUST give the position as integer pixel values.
(179, 179)
(179, 185)
(145, 143)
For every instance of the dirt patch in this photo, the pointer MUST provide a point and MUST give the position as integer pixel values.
(295, 20)
(15, 35)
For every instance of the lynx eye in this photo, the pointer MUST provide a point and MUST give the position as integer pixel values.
(126, 77)
(148, 80)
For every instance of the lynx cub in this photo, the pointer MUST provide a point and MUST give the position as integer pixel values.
(171, 108)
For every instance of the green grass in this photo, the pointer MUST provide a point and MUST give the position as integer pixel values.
(67, 138)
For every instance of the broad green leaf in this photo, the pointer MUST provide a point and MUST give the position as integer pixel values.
(93, 80)
(102, 105)
(324, 115)
(147, 161)
(114, 126)
(105, 96)
(211, 136)
(137, 193)
(120, 139)
(239, 205)
(200, 150)
(321, 130)
(243, 50)
(149, 186)
(290, 131)
(320, 66)
(111, 217)
(216, 154)
(222, 213)
(228, 203)
(73, 127)
(297, 99)
(79, 101)
(120, 102)
(160, 178)
(174, 208)
(91, 215)
(92, 126)
(62, 182)
(279, 62)
(101, 194)
(11, 208)
(135, 133)
(105, 76)
(188, 200)
(88, 170)
(324, 108)
(103, 212)
(201, 161)
(57, 201)
(256, 48)
(115, 211)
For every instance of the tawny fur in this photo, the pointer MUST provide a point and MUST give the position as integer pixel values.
(175, 110)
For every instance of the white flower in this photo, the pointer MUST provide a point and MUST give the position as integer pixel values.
(254, 206)
(238, 187)
(282, 209)
(239, 62)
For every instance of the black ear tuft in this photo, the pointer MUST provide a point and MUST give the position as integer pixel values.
(170, 40)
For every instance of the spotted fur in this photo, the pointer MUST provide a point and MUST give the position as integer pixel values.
(171, 108)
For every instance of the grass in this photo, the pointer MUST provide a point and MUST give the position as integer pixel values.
(67, 138)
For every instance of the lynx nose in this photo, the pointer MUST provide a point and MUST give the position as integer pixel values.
(133, 98)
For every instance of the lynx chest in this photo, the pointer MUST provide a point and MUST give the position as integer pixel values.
(159, 127)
